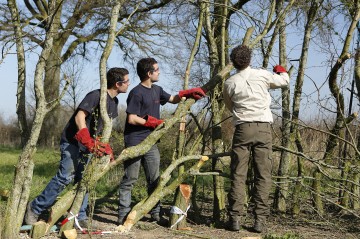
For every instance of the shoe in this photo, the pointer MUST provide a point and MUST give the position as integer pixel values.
(84, 224)
(156, 217)
(233, 225)
(159, 219)
(259, 226)
(30, 216)
(121, 220)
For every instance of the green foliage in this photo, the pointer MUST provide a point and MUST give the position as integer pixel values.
(289, 235)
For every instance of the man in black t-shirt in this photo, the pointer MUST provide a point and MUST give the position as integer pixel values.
(79, 142)
(143, 116)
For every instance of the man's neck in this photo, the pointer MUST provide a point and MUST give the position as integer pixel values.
(147, 83)
(112, 92)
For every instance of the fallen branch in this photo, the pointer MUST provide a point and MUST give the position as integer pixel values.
(143, 207)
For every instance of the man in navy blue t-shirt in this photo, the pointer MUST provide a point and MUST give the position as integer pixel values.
(79, 143)
(143, 116)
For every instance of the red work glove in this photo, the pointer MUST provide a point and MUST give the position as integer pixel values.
(108, 151)
(94, 146)
(152, 122)
(195, 93)
(279, 69)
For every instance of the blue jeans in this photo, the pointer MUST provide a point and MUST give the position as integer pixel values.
(151, 164)
(71, 166)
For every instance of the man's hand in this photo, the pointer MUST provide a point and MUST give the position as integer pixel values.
(108, 150)
(194, 93)
(279, 69)
(93, 145)
(152, 122)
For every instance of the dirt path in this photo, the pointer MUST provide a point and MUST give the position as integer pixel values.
(304, 228)
(277, 226)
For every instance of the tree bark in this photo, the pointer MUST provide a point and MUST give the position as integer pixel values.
(143, 207)
(51, 129)
(339, 100)
(281, 193)
(182, 200)
(20, 192)
(217, 35)
(87, 184)
(181, 136)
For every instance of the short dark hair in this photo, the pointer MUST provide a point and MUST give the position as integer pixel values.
(114, 75)
(241, 57)
(144, 66)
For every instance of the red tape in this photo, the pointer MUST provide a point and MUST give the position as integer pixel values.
(83, 231)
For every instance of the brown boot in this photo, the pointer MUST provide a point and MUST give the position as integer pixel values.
(259, 226)
(30, 216)
(233, 224)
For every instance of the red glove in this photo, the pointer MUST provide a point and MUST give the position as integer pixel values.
(93, 145)
(279, 69)
(195, 93)
(152, 122)
(108, 151)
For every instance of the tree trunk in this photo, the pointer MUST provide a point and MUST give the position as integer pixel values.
(181, 136)
(180, 143)
(345, 187)
(217, 45)
(285, 159)
(88, 184)
(316, 193)
(298, 184)
(340, 122)
(311, 18)
(20, 192)
(217, 147)
(183, 194)
(356, 192)
(53, 123)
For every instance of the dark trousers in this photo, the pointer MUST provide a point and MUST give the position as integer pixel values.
(255, 138)
(151, 164)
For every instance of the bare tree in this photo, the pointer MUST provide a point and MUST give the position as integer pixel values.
(22, 182)
(76, 24)
(341, 120)
(73, 71)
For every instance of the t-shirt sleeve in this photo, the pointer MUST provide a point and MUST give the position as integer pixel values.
(90, 102)
(164, 96)
(133, 104)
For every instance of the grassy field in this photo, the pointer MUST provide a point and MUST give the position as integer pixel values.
(46, 165)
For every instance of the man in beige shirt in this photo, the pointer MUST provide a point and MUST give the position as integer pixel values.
(246, 95)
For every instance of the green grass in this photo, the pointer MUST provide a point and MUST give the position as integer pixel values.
(46, 164)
